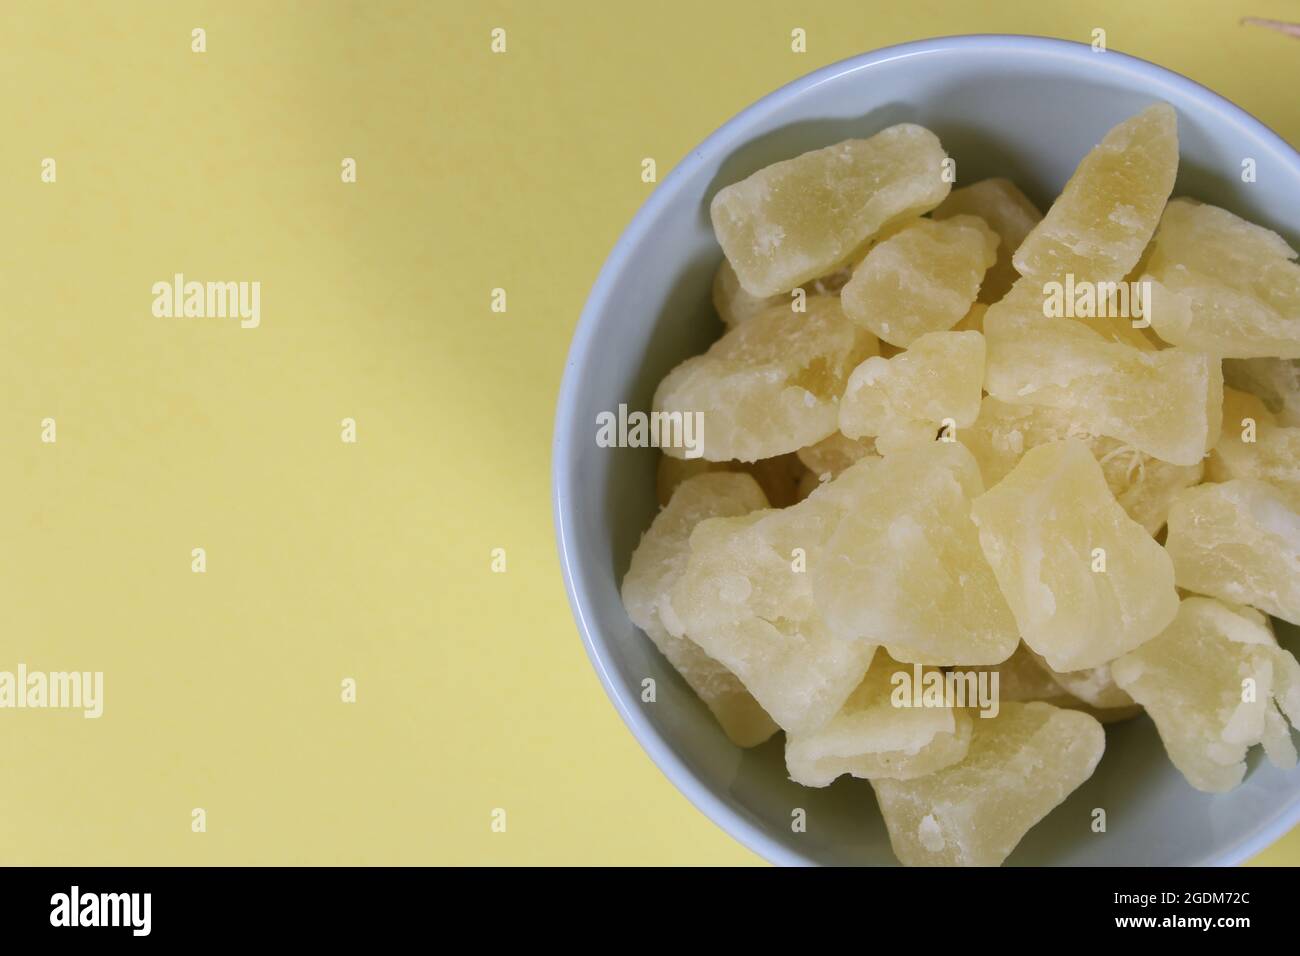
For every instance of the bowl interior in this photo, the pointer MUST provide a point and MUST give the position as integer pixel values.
(1019, 107)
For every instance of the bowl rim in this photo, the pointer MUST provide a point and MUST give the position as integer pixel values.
(565, 481)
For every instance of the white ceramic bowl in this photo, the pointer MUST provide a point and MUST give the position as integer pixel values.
(1024, 107)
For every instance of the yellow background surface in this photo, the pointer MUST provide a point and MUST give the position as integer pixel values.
(371, 560)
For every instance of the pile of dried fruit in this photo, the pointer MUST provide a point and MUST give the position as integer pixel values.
(910, 466)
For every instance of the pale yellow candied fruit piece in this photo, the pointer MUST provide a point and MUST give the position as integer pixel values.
(1276, 738)
(1238, 541)
(1086, 583)
(771, 385)
(874, 736)
(803, 217)
(902, 566)
(656, 566)
(1231, 288)
(917, 396)
(778, 477)
(1209, 683)
(1020, 766)
(1107, 212)
(1275, 381)
(747, 599)
(923, 278)
(830, 456)
(1096, 231)
(1253, 446)
(1167, 403)
(1008, 212)
(1144, 486)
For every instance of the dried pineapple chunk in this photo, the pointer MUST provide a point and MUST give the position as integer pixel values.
(1238, 541)
(1227, 287)
(771, 385)
(1192, 680)
(1167, 403)
(1086, 583)
(872, 737)
(802, 217)
(1020, 766)
(1095, 232)
(746, 597)
(923, 278)
(902, 566)
(1144, 486)
(657, 564)
(1105, 216)
(832, 455)
(907, 400)
(1008, 212)
(1252, 446)
(1275, 381)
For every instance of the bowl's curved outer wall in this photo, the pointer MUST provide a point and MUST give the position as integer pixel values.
(1023, 107)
